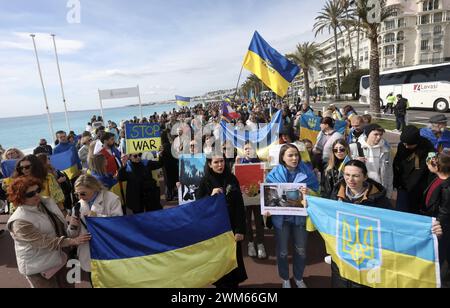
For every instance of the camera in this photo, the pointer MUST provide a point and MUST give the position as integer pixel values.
(76, 213)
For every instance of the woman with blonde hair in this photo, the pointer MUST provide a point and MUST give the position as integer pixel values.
(13, 153)
(95, 201)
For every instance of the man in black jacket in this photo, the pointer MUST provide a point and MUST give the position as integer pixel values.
(43, 148)
(411, 173)
(400, 112)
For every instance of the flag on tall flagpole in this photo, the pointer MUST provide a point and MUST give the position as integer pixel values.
(182, 101)
(275, 70)
(228, 113)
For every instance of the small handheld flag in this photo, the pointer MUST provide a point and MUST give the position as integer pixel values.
(182, 101)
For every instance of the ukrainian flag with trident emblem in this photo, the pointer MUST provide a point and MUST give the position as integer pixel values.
(376, 247)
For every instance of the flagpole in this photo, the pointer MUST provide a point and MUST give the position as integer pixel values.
(239, 79)
(140, 103)
(101, 104)
(50, 125)
(61, 83)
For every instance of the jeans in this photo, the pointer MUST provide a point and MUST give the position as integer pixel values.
(256, 210)
(300, 236)
(400, 120)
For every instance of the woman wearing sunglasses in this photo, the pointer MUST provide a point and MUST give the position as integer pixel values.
(95, 201)
(334, 171)
(30, 165)
(39, 231)
(143, 193)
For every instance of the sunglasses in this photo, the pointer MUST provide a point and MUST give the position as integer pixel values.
(339, 150)
(81, 194)
(136, 155)
(31, 194)
(27, 167)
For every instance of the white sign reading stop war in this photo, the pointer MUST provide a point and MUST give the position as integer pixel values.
(119, 93)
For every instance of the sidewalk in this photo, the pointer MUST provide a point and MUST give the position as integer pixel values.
(261, 273)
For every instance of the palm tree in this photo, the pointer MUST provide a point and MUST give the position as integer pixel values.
(372, 30)
(307, 56)
(252, 83)
(331, 17)
(346, 63)
(348, 26)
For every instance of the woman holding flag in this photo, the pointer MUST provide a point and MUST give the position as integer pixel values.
(292, 170)
(358, 188)
(219, 180)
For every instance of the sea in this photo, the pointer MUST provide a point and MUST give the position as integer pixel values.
(24, 132)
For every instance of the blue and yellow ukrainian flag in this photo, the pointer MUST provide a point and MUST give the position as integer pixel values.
(262, 139)
(66, 162)
(275, 70)
(182, 101)
(8, 167)
(189, 246)
(376, 247)
(310, 126)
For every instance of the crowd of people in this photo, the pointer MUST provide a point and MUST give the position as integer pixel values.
(358, 166)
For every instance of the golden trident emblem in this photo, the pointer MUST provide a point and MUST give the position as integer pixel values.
(357, 250)
(312, 123)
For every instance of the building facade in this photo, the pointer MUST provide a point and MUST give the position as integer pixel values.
(418, 32)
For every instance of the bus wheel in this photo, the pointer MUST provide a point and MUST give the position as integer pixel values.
(441, 105)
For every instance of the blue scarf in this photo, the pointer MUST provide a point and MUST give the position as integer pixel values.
(302, 174)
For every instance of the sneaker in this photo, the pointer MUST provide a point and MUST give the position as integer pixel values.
(327, 260)
(300, 284)
(261, 251)
(251, 250)
(286, 284)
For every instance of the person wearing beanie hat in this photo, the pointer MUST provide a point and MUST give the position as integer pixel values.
(375, 152)
(437, 132)
(411, 173)
(410, 135)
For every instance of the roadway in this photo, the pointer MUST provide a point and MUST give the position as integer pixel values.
(418, 116)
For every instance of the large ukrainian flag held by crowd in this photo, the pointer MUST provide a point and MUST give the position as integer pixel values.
(261, 139)
(189, 246)
(275, 70)
(377, 247)
(66, 162)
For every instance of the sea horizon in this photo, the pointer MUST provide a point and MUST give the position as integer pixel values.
(24, 132)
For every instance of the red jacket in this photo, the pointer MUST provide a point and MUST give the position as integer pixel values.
(112, 161)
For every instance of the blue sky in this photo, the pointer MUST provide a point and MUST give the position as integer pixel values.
(168, 47)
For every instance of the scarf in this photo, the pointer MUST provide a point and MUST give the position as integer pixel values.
(302, 174)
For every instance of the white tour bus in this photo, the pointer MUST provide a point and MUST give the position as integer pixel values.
(424, 86)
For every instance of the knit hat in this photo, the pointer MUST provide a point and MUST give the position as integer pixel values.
(371, 127)
(410, 135)
(439, 118)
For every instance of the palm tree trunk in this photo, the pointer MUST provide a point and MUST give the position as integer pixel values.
(349, 40)
(357, 44)
(374, 72)
(306, 85)
(338, 78)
